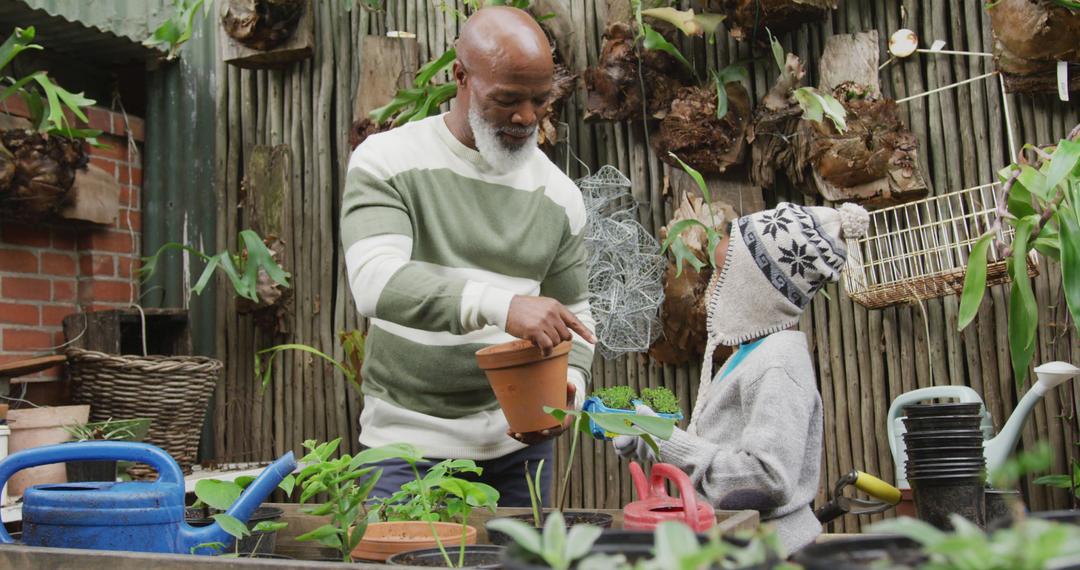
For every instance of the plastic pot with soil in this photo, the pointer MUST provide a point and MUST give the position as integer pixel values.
(862, 553)
(525, 381)
(476, 556)
(256, 544)
(572, 519)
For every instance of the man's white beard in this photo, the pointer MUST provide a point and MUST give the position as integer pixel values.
(495, 153)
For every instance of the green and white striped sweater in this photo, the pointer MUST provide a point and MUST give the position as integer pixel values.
(436, 245)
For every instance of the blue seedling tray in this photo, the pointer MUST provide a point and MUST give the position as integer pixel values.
(595, 404)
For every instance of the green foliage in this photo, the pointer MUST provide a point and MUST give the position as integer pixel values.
(645, 427)
(653, 40)
(422, 99)
(176, 31)
(536, 497)
(1023, 463)
(221, 495)
(777, 51)
(730, 74)
(1029, 544)
(661, 400)
(45, 100)
(109, 430)
(674, 240)
(1043, 206)
(617, 397)
(1072, 483)
(555, 546)
(817, 106)
(347, 483)
(242, 268)
(264, 370)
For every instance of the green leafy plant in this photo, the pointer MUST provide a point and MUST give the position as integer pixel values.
(265, 370)
(556, 547)
(421, 499)
(646, 427)
(1041, 201)
(1029, 544)
(422, 99)
(176, 31)
(733, 73)
(243, 268)
(536, 496)
(674, 240)
(661, 400)
(109, 430)
(45, 100)
(220, 495)
(463, 497)
(1023, 463)
(686, 21)
(347, 484)
(816, 106)
(1070, 482)
(617, 397)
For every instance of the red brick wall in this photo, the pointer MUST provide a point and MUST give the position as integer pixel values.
(49, 270)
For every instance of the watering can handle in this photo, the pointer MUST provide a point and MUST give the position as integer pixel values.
(638, 477)
(687, 494)
(163, 463)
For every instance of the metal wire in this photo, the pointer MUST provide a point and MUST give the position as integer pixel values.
(625, 268)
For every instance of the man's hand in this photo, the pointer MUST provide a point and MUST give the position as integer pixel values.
(544, 321)
(535, 437)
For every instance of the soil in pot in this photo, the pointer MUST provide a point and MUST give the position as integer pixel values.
(691, 130)
(862, 553)
(572, 518)
(615, 87)
(385, 539)
(938, 497)
(999, 504)
(524, 381)
(476, 556)
(257, 543)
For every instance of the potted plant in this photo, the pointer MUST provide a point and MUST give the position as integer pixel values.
(256, 538)
(37, 164)
(108, 430)
(431, 510)
(525, 381)
(35, 427)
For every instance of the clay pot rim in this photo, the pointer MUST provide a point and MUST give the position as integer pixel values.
(516, 353)
(453, 531)
(44, 417)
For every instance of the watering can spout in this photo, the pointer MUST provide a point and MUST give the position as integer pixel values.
(1051, 375)
(244, 506)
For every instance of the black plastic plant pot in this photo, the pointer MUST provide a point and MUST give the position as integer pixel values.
(634, 545)
(936, 442)
(84, 471)
(256, 542)
(999, 504)
(946, 453)
(572, 518)
(931, 464)
(939, 497)
(928, 424)
(967, 433)
(862, 553)
(933, 410)
(476, 556)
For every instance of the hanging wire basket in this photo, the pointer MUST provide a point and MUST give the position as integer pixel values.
(920, 250)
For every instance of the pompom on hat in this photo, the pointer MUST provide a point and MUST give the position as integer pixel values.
(776, 260)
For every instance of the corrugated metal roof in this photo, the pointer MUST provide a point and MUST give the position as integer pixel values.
(107, 31)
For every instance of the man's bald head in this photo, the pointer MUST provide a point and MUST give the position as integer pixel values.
(500, 40)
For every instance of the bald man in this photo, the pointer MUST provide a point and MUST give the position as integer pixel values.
(459, 233)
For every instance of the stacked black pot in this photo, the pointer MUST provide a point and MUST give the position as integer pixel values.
(946, 466)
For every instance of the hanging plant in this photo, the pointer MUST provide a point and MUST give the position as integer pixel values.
(1030, 37)
(706, 126)
(749, 19)
(37, 165)
(262, 24)
(1041, 202)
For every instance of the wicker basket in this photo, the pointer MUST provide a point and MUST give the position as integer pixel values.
(172, 391)
(919, 250)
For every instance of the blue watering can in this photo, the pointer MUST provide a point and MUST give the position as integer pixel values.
(135, 516)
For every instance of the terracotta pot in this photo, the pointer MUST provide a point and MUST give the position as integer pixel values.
(383, 540)
(525, 381)
(35, 427)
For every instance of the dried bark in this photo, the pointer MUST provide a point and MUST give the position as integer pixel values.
(691, 130)
(37, 171)
(1030, 37)
(270, 313)
(748, 19)
(563, 85)
(262, 24)
(363, 128)
(772, 131)
(615, 85)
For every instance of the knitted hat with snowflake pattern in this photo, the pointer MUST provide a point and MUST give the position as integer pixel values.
(776, 260)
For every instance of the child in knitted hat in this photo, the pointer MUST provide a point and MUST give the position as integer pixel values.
(754, 439)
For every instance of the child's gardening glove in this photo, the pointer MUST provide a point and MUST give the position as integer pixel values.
(631, 446)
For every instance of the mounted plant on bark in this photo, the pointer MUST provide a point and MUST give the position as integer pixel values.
(749, 19)
(1030, 37)
(37, 165)
(693, 233)
(262, 24)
